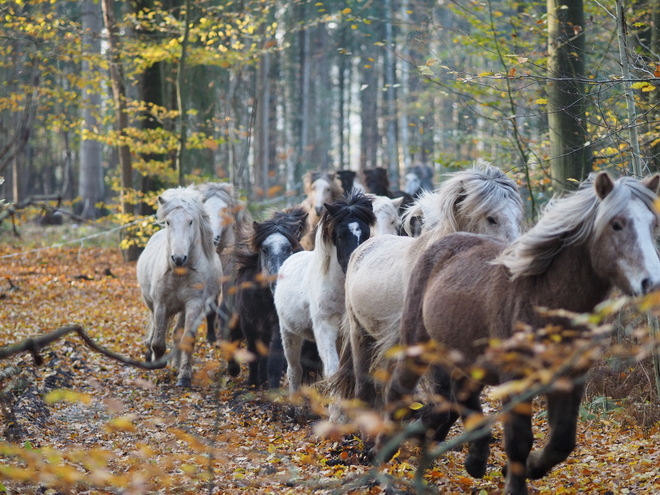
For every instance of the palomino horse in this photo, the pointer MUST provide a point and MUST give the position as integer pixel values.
(320, 188)
(230, 223)
(481, 200)
(309, 296)
(466, 290)
(258, 264)
(180, 273)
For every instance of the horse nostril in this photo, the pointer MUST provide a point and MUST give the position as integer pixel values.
(216, 239)
(319, 210)
(179, 260)
(647, 286)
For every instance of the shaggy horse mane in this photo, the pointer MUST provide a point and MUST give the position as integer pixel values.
(190, 200)
(225, 191)
(568, 221)
(464, 198)
(291, 223)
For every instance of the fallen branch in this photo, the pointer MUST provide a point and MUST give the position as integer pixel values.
(33, 345)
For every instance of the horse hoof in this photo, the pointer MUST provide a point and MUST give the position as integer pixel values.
(184, 383)
(234, 369)
(475, 467)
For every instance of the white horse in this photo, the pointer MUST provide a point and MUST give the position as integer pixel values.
(309, 296)
(320, 188)
(387, 215)
(482, 200)
(231, 224)
(180, 274)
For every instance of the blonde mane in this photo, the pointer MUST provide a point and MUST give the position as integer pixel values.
(225, 191)
(463, 199)
(570, 221)
(190, 200)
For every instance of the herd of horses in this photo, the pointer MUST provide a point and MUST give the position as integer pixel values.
(360, 269)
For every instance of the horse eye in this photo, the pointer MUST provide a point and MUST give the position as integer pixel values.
(190, 223)
(617, 226)
(167, 222)
(491, 220)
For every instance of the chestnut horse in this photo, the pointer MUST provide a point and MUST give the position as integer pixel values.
(466, 290)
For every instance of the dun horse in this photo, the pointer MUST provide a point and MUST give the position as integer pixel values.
(270, 244)
(320, 188)
(309, 296)
(467, 289)
(481, 200)
(180, 274)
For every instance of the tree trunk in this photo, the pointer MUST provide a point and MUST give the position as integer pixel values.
(390, 99)
(261, 129)
(405, 80)
(180, 97)
(305, 68)
(119, 96)
(91, 188)
(570, 156)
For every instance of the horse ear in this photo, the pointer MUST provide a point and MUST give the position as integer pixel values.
(255, 225)
(161, 201)
(331, 175)
(603, 184)
(397, 202)
(652, 182)
(332, 208)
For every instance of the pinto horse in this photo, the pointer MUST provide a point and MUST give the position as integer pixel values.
(466, 290)
(180, 274)
(481, 200)
(309, 296)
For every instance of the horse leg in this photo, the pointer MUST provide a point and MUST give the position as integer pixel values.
(292, 344)
(236, 334)
(325, 335)
(359, 352)
(441, 417)
(563, 410)
(179, 328)
(156, 345)
(518, 439)
(275, 358)
(251, 336)
(210, 326)
(193, 315)
(479, 450)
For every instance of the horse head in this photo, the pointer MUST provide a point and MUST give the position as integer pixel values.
(387, 215)
(185, 222)
(347, 224)
(623, 248)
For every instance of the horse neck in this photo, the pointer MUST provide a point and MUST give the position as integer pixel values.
(571, 282)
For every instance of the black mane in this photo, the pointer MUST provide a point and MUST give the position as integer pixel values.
(290, 223)
(357, 205)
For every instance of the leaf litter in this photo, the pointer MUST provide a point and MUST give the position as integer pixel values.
(84, 424)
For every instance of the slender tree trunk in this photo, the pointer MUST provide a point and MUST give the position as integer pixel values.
(390, 99)
(180, 97)
(91, 188)
(119, 96)
(655, 54)
(369, 138)
(570, 156)
(405, 86)
(305, 68)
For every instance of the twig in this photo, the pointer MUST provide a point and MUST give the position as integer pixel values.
(33, 345)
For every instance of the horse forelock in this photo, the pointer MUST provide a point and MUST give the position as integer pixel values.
(190, 200)
(568, 221)
(289, 224)
(465, 197)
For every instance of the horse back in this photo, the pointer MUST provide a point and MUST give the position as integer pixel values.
(452, 291)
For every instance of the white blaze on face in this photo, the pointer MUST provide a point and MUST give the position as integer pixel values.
(276, 243)
(322, 193)
(648, 267)
(354, 228)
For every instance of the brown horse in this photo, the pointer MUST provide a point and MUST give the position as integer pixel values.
(467, 289)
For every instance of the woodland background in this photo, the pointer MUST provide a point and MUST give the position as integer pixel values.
(103, 104)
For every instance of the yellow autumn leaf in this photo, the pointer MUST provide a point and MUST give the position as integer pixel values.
(541, 101)
(347, 10)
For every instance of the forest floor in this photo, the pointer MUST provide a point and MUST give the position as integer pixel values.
(123, 430)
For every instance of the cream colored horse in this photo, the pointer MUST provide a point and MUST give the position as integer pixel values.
(180, 274)
(482, 200)
(320, 188)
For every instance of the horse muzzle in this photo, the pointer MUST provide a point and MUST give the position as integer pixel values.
(179, 260)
